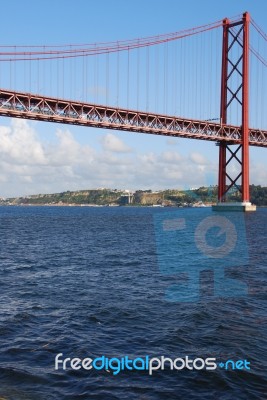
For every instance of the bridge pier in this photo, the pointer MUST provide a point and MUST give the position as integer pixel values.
(243, 207)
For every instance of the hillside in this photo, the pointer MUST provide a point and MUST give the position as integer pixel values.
(103, 197)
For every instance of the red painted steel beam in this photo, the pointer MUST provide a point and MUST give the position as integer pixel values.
(49, 109)
(245, 110)
(223, 113)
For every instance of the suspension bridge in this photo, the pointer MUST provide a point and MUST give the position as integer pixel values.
(205, 83)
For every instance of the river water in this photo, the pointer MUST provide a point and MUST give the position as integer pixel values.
(116, 282)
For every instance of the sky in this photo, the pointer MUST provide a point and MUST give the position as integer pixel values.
(38, 157)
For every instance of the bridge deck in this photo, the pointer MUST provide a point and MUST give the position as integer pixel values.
(36, 107)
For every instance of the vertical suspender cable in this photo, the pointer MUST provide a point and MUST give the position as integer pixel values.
(57, 77)
(94, 88)
(164, 77)
(86, 78)
(63, 76)
(156, 95)
(118, 76)
(257, 84)
(175, 77)
(51, 76)
(15, 70)
(138, 77)
(83, 76)
(30, 75)
(107, 78)
(128, 76)
(147, 78)
(167, 80)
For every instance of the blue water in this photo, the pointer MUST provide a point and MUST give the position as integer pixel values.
(88, 282)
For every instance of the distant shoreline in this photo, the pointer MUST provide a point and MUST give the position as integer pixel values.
(108, 206)
(105, 206)
(103, 197)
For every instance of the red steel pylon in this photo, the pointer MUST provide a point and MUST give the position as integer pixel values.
(235, 35)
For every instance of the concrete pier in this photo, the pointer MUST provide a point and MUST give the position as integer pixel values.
(244, 207)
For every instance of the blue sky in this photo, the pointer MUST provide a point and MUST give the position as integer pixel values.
(40, 157)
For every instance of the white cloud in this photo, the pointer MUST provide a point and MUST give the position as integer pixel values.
(198, 158)
(29, 166)
(171, 157)
(171, 141)
(69, 151)
(111, 142)
(20, 144)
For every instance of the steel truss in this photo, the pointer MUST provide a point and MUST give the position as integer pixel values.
(36, 107)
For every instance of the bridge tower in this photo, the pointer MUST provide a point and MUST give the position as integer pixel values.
(235, 88)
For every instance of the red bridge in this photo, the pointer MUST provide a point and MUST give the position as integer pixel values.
(233, 139)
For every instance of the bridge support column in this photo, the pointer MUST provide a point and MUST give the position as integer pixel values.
(235, 36)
